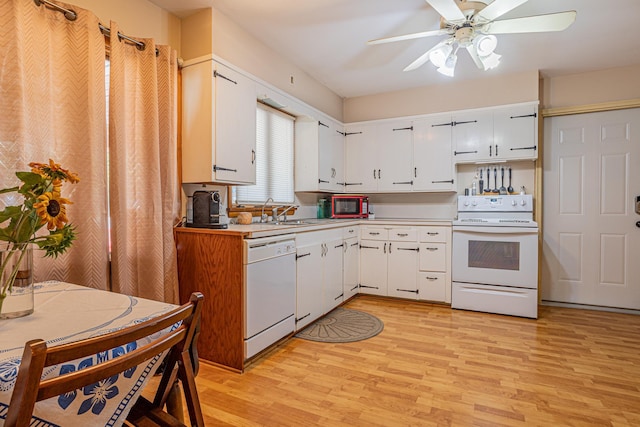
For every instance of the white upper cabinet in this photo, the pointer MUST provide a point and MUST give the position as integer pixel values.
(515, 132)
(219, 125)
(378, 157)
(501, 133)
(432, 165)
(319, 153)
(361, 159)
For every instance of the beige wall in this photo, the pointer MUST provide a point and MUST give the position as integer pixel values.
(231, 43)
(137, 18)
(486, 92)
(614, 84)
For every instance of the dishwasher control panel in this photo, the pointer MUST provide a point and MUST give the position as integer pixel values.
(268, 247)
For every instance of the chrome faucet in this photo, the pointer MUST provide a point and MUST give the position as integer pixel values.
(283, 213)
(263, 216)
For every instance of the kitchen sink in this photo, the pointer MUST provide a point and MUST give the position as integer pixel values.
(288, 222)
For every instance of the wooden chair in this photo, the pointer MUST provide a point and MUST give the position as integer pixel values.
(30, 388)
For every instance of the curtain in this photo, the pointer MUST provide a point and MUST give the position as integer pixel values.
(52, 105)
(143, 187)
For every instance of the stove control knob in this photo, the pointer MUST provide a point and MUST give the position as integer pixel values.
(523, 202)
(474, 203)
(466, 203)
(513, 203)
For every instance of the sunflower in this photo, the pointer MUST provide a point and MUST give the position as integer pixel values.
(52, 210)
(54, 170)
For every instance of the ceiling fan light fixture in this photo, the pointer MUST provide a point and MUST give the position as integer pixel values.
(491, 61)
(439, 56)
(485, 44)
(449, 65)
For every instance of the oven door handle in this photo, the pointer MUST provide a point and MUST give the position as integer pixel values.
(494, 230)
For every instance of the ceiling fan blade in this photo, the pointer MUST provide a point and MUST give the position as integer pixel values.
(423, 58)
(498, 8)
(448, 9)
(409, 36)
(532, 24)
(474, 55)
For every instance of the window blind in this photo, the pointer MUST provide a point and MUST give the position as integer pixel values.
(274, 159)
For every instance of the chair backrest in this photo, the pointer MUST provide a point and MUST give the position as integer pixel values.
(30, 388)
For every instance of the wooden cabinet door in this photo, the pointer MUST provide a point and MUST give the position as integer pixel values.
(351, 267)
(332, 287)
(361, 159)
(308, 284)
(515, 132)
(235, 127)
(473, 136)
(373, 267)
(402, 269)
(394, 146)
(432, 163)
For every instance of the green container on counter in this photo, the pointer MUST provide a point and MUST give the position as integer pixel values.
(324, 209)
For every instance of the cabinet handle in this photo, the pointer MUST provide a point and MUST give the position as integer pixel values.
(333, 172)
(303, 255)
(464, 123)
(341, 245)
(339, 296)
(300, 318)
(408, 128)
(444, 124)
(431, 278)
(415, 172)
(320, 181)
(496, 150)
(432, 233)
(354, 288)
(341, 133)
(431, 249)
(385, 248)
(355, 244)
(525, 148)
(253, 156)
(403, 234)
(369, 247)
(526, 115)
(379, 174)
(407, 290)
(403, 183)
(373, 233)
(409, 249)
(352, 133)
(220, 168)
(455, 153)
(490, 150)
(374, 174)
(447, 181)
(369, 287)
(352, 183)
(322, 124)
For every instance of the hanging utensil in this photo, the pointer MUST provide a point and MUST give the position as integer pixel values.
(480, 184)
(488, 189)
(503, 189)
(495, 181)
(510, 188)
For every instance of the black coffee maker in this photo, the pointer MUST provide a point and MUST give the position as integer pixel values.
(205, 210)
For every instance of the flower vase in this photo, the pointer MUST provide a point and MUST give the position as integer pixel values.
(16, 282)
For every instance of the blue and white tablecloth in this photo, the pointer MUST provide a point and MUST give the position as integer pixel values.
(65, 313)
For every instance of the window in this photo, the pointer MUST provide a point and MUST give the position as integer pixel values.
(274, 159)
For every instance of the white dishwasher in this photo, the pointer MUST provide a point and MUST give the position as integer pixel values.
(270, 291)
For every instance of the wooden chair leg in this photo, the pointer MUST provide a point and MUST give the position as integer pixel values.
(174, 402)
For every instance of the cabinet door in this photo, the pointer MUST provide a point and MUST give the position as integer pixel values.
(308, 284)
(432, 163)
(473, 136)
(235, 127)
(326, 170)
(333, 287)
(515, 132)
(394, 141)
(433, 256)
(361, 160)
(351, 267)
(337, 157)
(402, 270)
(373, 267)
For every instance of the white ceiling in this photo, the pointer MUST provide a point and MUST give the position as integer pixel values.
(327, 39)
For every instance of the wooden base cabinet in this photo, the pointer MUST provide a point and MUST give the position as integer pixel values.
(212, 264)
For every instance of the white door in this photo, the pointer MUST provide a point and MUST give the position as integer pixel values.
(308, 284)
(326, 170)
(332, 291)
(403, 266)
(473, 136)
(515, 133)
(591, 181)
(337, 157)
(432, 164)
(351, 267)
(361, 162)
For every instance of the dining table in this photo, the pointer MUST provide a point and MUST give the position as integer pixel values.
(66, 312)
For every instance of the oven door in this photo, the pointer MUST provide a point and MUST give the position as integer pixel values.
(503, 256)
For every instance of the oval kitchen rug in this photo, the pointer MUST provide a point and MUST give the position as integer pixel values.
(343, 325)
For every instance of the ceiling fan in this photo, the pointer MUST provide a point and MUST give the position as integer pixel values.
(472, 25)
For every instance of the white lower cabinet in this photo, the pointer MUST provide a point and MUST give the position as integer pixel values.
(319, 283)
(351, 261)
(434, 277)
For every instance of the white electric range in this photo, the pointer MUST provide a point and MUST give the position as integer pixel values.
(495, 255)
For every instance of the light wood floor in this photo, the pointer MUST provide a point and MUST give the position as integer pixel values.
(436, 366)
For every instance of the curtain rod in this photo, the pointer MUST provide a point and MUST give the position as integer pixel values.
(72, 16)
